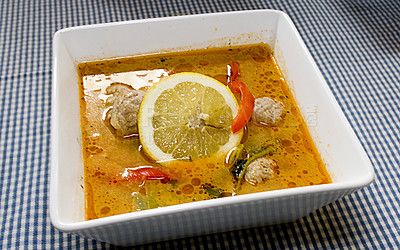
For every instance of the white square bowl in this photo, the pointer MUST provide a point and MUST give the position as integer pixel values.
(346, 161)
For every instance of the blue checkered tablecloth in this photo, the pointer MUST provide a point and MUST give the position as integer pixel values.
(356, 45)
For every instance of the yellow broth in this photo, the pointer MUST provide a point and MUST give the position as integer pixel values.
(106, 156)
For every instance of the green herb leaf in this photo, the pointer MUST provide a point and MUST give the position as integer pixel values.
(140, 202)
(213, 192)
(152, 202)
(173, 183)
(143, 202)
(238, 167)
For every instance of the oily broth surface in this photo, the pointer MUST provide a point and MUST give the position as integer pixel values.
(106, 156)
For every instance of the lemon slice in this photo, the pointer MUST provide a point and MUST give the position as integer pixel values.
(187, 116)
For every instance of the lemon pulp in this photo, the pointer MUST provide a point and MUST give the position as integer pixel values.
(187, 116)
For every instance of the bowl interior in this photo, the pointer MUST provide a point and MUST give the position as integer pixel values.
(346, 161)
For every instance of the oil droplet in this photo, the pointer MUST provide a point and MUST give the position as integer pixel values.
(187, 189)
(296, 137)
(286, 143)
(105, 210)
(196, 181)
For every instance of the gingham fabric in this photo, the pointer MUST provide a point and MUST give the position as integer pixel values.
(356, 45)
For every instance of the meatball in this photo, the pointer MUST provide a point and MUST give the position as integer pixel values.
(267, 111)
(259, 170)
(125, 102)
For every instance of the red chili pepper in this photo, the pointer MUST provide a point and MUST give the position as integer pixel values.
(146, 173)
(246, 104)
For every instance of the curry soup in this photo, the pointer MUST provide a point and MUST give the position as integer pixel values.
(108, 156)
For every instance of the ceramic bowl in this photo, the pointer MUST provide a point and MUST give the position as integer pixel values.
(346, 161)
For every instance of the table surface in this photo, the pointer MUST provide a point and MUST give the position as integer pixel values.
(356, 45)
